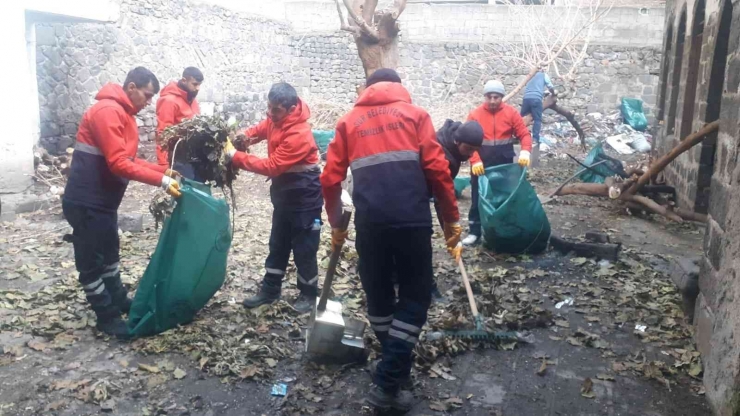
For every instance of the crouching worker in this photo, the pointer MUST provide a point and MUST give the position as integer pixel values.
(395, 159)
(103, 163)
(292, 164)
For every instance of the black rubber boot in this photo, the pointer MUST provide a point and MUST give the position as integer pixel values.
(261, 298)
(383, 400)
(305, 303)
(118, 293)
(406, 383)
(113, 326)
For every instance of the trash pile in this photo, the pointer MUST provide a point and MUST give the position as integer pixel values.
(52, 170)
(612, 128)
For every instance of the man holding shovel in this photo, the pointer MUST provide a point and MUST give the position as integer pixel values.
(391, 147)
(104, 162)
(292, 165)
(500, 122)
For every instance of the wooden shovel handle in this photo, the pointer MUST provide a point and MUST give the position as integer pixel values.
(333, 261)
(468, 289)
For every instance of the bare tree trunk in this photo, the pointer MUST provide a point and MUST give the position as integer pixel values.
(375, 34)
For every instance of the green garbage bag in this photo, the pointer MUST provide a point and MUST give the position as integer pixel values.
(599, 173)
(512, 217)
(322, 139)
(633, 115)
(461, 182)
(188, 266)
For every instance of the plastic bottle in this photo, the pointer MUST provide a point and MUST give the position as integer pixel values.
(316, 225)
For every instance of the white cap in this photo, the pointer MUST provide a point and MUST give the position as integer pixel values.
(494, 86)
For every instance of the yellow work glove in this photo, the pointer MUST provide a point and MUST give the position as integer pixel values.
(477, 169)
(171, 186)
(524, 158)
(172, 173)
(229, 148)
(453, 231)
(456, 252)
(338, 236)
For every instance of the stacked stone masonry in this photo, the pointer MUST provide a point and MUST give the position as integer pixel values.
(707, 178)
(241, 56)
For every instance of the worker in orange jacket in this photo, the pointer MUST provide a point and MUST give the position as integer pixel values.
(104, 161)
(502, 125)
(292, 165)
(395, 158)
(176, 103)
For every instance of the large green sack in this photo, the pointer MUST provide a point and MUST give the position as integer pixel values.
(511, 214)
(633, 115)
(322, 139)
(188, 266)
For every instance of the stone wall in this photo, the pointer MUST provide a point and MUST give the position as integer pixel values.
(715, 162)
(444, 73)
(627, 26)
(240, 55)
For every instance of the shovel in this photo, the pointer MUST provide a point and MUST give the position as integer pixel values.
(329, 336)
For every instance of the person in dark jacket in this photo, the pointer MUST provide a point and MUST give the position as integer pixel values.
(104, 161)
(459, 142)
(292, 165)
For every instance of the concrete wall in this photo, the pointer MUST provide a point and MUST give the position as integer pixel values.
(717, 316)
(488, 22)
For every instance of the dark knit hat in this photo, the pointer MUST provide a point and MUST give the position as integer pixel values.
(383, 75)
(470, 133)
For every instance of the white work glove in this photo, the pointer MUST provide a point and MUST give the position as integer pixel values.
(524, 158)
(171, 186)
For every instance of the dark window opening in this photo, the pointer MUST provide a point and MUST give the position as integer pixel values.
(664, 75)
(689, 102)
(676, 75)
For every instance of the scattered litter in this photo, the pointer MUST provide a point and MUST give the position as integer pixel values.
(620, 143)
(279, 390)
(605, 264)
(640, 143)
(568, 302)
(640, 328)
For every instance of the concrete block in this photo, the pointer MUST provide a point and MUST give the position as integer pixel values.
(684, 271)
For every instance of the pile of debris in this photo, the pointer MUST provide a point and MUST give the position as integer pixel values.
(52, 170)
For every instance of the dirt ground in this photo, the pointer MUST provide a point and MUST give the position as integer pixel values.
(587, 357)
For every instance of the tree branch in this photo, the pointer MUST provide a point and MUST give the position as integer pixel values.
(364, 28)
(342, 24)
(368, 10)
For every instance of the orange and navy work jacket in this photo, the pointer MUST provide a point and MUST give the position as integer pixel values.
(396, 161)
(499, 129)
(105, 153)
(172, 108)
(292, 161)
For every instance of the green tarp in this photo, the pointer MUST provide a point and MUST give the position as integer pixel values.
(322, 139)
(461, 182)
(599, 173)
(633, 115)
(188, 266)
(511, 214)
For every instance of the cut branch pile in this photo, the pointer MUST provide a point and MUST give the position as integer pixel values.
(628, 191)
(200, 142)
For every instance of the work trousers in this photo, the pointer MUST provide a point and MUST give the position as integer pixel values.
(187, 171)
(397, 324)
(96, 247)
(293, 231)
(474, 213)
(533, 106)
